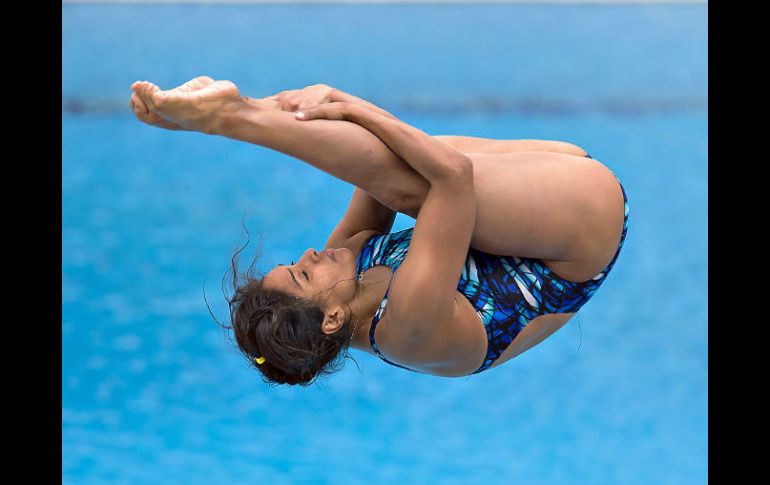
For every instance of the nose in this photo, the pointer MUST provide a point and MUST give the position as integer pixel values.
(311, 254)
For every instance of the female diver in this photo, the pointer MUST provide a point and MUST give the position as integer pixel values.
(511, 237)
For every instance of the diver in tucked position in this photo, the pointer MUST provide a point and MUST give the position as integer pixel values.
(511, 237)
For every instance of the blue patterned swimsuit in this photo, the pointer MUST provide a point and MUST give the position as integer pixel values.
(507, 292)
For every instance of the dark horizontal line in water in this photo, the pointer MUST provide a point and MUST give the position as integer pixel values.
(470, 106)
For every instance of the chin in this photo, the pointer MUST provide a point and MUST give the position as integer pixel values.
(350, 261)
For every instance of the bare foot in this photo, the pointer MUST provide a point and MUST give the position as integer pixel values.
(143, 113)
(198, 107)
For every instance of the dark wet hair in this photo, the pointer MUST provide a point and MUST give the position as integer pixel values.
(283, 329)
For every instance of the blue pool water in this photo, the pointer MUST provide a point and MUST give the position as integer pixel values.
(153, 393)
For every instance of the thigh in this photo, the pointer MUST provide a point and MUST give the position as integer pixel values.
(473, 144)
(545, 205)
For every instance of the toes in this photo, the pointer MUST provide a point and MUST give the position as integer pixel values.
(142, 116)
(151, 94)
(144, 100)
(144, 88)
(146, 116)
(137, 104)
(140, 88)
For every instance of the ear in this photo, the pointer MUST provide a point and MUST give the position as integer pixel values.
(334, 319)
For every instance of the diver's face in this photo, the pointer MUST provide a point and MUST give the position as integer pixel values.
(323, 276)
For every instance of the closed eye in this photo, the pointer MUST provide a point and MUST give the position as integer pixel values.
(303, 272)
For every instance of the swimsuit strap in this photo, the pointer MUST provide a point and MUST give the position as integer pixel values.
(373, 327)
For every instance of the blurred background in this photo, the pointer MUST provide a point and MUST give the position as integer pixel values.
(152, 392)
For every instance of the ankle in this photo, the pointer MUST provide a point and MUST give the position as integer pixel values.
(241, 118)
(260, 103)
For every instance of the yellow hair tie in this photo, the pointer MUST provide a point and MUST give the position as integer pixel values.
(259, 360)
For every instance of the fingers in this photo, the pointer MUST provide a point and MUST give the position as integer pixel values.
(318, 113)
(298, 104)
(289, 104)
(301, 99)
(327, 111)
(314, 113)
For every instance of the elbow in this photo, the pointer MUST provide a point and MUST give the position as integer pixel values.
(465, 166)
(459, 170)
(407, 204)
